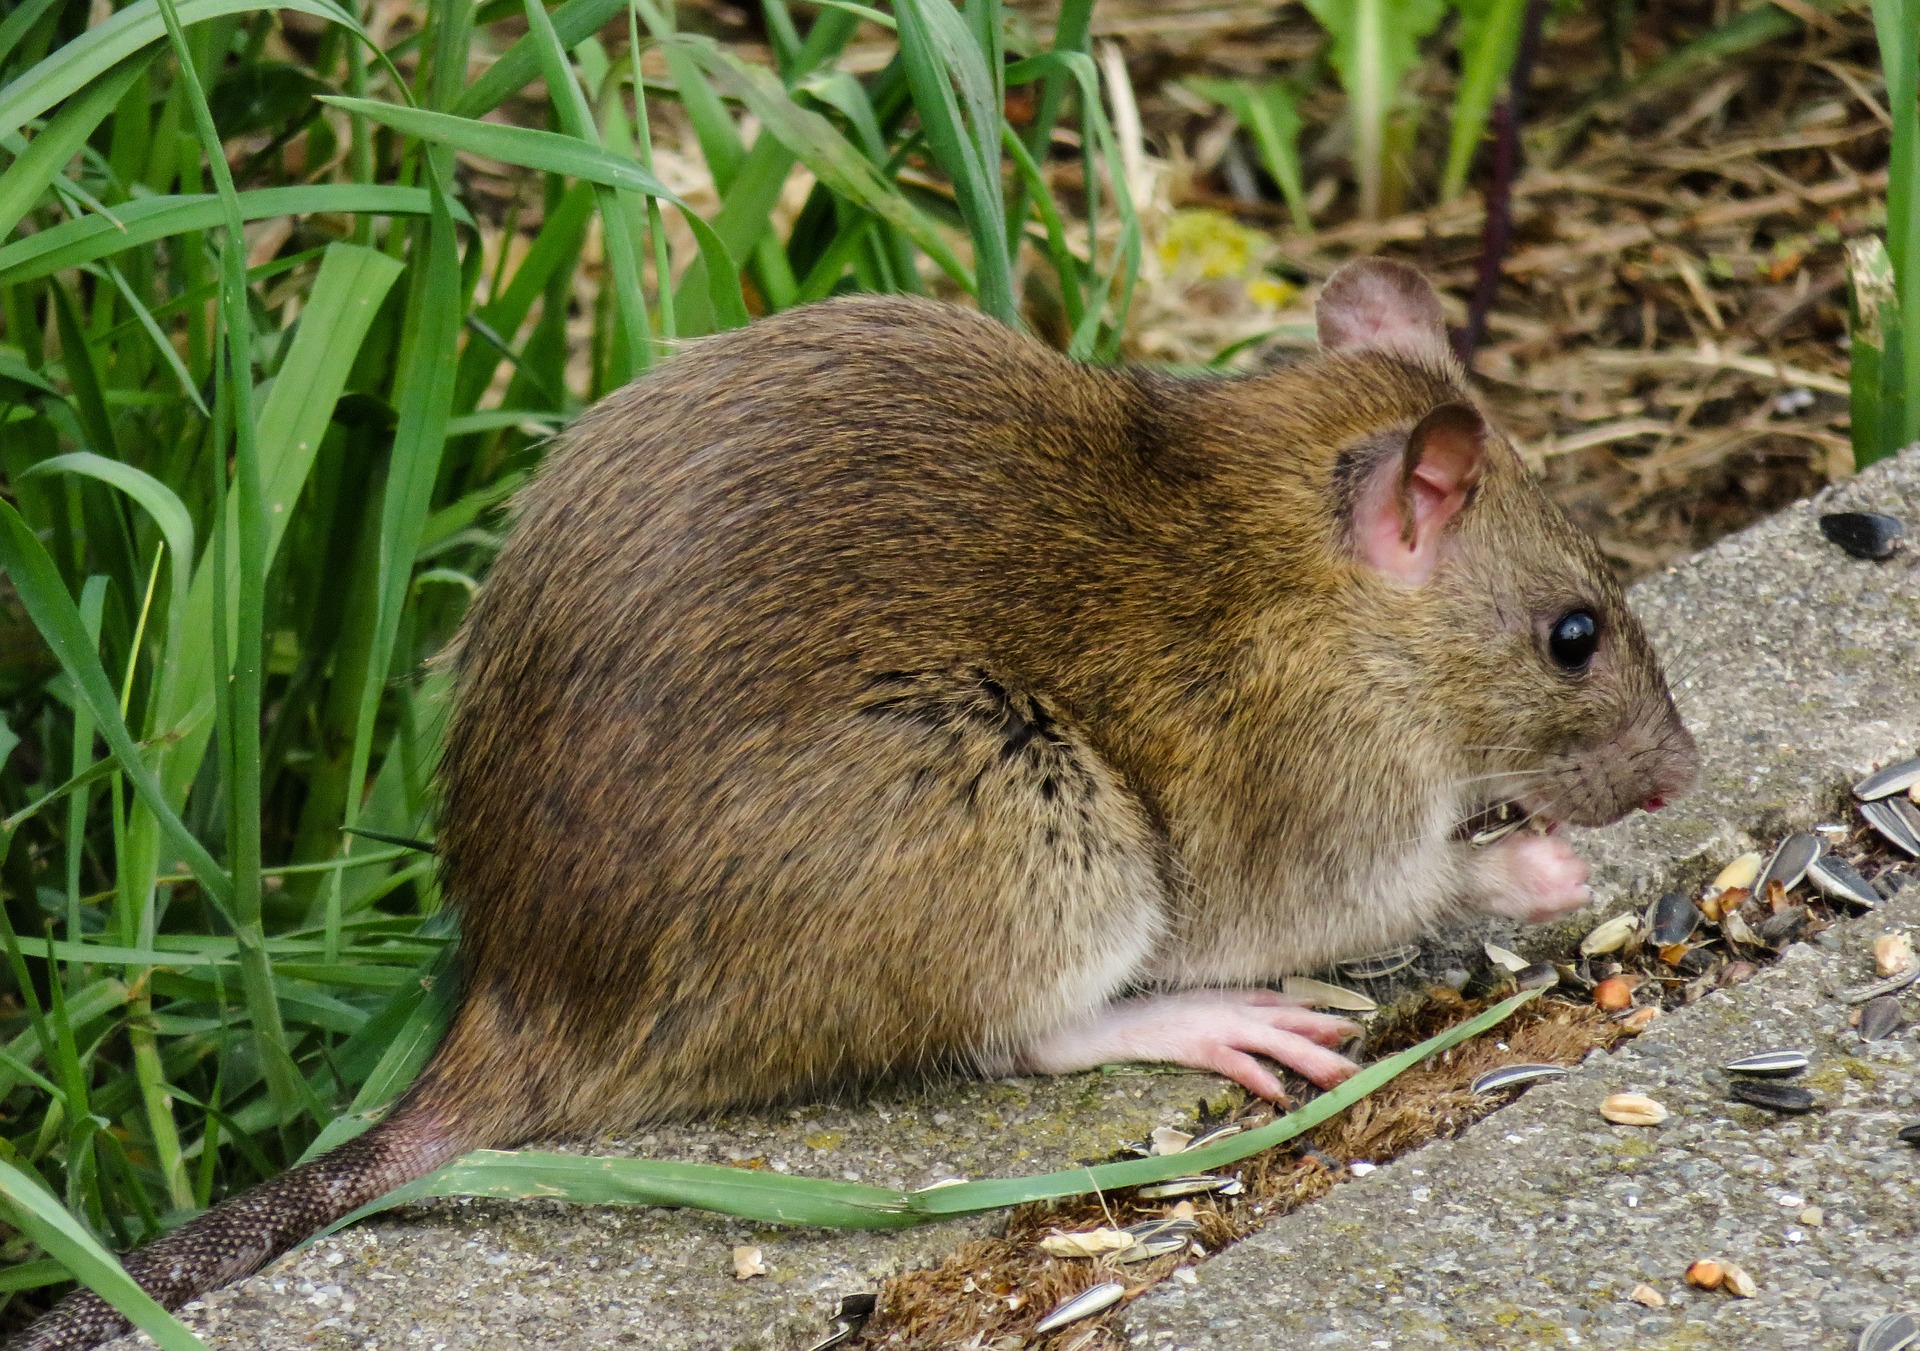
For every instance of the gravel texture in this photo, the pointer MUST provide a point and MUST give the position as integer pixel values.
(1528, 1231)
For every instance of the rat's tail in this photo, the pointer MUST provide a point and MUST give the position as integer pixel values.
(240, 1235)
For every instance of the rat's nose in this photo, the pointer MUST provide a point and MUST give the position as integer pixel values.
(1653, 804)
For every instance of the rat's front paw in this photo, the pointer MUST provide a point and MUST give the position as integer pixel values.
(1534, 878)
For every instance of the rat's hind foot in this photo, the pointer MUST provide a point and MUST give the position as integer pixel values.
(1218, 1030)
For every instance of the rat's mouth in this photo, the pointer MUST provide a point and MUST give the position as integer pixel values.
(1498, 820)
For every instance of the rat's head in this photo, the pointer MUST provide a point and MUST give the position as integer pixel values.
(1502, 619)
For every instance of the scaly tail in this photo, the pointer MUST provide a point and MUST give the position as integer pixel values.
(241, 1235)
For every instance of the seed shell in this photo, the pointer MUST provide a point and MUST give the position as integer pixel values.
(1789, 862)
(1632, 1109)
(1737, 1283)
(1895, 778)
(1324, 996)
(1891, 824)
(1375, 965)
(1880, 1018)
(1910, 1133)
(1775, 1097)
(1087, 1243)
(1192, 1185)
(1610, 936)
(1740, 874)
(1505, 959)
(1613, 994)
(1512, 1076)
(1835, 878)
(1872, 535)
(1167, 1140)
(1083, 1305)
(1892, 954)
(1895, 1332)
(1672, 919)
(1175, 1225)
(1770, 1064)
(1212, 1137)
(1148, 1248)
(1539, 976)
(1705, 1274)
(1893, 984)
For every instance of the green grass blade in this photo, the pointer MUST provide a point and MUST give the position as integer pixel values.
(63, 138)
(938, 50)
(518, 66)
(163, 348)
(76, 242)
(1489, 37)
(993, 1194)
(96, 51)
(1873, 306)
(249, 512)
(576, 119)
(155, 498)
(33, 1210)
(553, 153)
(45, 597)
(774, 1198)
(1897, 24)
(832, 158)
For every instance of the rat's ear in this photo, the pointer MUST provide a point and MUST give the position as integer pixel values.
(1404, 507)
(1374, 304)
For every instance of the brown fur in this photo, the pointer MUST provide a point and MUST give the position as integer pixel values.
(873, 691)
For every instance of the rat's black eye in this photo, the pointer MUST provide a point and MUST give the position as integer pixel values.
(1572, 640)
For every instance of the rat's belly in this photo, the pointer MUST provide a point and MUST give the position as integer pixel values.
(1242, 930)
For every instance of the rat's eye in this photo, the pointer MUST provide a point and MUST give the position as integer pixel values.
(1572, 640)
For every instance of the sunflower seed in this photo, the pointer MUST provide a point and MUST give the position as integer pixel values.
(1632, 1109)
(1737, 1283)
(1910, 1133)
(1148, 1248)
(1175, 1226)
(1891, 985)
(1789, 862)
(1738, 875)
(1513, 1076)
(1212, 1137)
(1880, 1018)
(1083, 1305)
(1771, 1064)
(1882, 817)
(1835, 878)
(1511, 962)
(1885, 782)
(1324, 996)
(1192, 1185)
(1781, 929)
(1895, 1332)
(1610, 936)
(1865, 534)
(1378, 964)
(1541, 975)
(1673, 918)
(1775, 1097)
(1495, 823)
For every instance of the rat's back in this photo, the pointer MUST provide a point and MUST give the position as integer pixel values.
(754, 610)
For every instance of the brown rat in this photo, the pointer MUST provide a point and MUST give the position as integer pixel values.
(875, 692)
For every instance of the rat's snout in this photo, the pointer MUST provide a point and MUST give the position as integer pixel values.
(1648, 760)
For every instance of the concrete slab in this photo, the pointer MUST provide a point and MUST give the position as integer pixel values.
(1805, 671)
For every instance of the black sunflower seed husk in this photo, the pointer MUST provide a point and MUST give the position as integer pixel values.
(1772, 1095)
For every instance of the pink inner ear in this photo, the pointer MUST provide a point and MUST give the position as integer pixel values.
(1403, 512)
